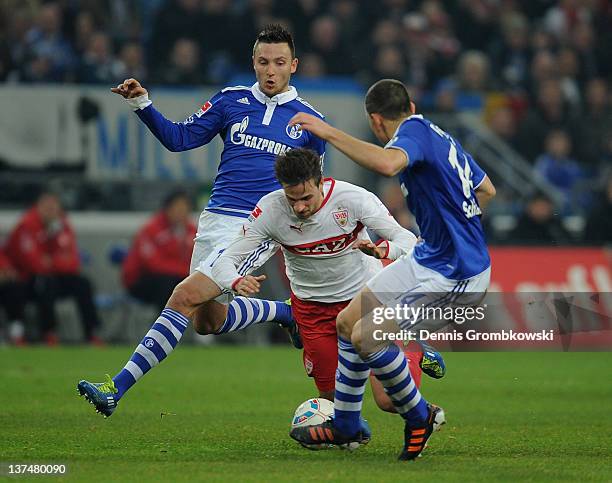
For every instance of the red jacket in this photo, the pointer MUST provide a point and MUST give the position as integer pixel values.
(34, 251)
(157, 249)
(4, 261)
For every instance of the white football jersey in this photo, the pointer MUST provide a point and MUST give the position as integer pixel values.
(320, 262)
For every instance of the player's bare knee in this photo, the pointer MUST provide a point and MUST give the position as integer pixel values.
(344, 326)
(183, 299)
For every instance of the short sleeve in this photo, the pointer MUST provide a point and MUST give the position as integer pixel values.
(409, 139)
(478, 174)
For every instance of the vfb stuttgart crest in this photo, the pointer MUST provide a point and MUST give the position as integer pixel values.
(340, 217)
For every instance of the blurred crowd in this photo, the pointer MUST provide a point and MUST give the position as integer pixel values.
(41, 264)
(536, 71)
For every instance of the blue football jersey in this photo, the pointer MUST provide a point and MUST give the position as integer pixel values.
(254, 129)
(438, 185)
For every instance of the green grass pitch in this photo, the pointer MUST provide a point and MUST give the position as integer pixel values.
(511, 416)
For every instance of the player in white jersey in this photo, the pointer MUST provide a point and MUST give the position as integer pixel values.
(320, 225)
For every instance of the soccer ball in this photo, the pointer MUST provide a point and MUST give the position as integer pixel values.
(311, 412)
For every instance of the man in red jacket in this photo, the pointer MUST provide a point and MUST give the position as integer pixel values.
(161, 252)
(12, 298)
(43, 250)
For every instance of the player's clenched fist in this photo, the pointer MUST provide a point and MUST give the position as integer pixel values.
(129, 89)
(249, 285)
(369, 248)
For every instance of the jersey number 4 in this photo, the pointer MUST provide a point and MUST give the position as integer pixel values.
(465, 173)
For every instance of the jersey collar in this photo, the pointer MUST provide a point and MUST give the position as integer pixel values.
(412, 116)
(281, 98)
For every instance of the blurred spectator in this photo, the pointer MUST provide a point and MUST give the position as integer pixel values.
(43, 249)
(351, 19)
(386, 32)
(49, 56)
(473, 72)
(99, 66)
(325, 41)
(598, 230)
(441, 41)
(477, 20)
(161, 252)
(216, 50)
(131, 63)
(389, 63)
(12, 299)
(543, 67)
(596, 122)
(568, 70)
(301, 14)
(550, 112)
(539, 224)
(511, 56)
(503, 124)
(85, 28)
(583, 41)
(541, 41)
(418, 54)
(178, 19)
(559, 169)
(311, 66)
(184, 66)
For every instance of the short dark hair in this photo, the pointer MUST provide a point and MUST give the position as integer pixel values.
(389, 98)
(174, 195)
(297, 166)
(275, 34)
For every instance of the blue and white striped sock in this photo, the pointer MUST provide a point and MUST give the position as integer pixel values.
(351, 379)
(243, 312)
(390, 367)
(157, 344)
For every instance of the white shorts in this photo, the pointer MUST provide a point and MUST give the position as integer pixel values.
(406, 282)
(215, 233)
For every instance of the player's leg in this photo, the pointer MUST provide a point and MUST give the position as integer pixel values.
(217, 232)
(430, 360)
(351, 377)
(157, 344)
(383, 401)
(317, 326)
(386, 361)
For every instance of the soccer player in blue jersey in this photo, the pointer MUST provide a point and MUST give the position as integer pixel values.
(253, 123)
(447, 191)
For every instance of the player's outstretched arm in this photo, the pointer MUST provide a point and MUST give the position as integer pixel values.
(387, 162)
(175, 136)
(485, 193)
